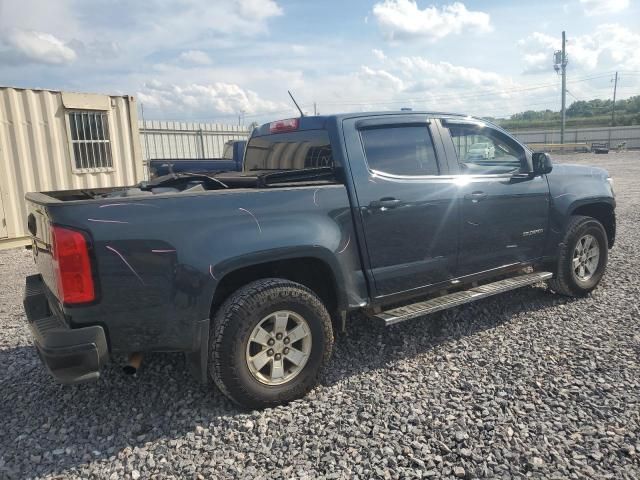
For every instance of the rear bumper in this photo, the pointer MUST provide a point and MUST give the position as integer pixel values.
(72, 355)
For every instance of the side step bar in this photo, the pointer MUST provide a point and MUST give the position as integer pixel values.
(407, 312)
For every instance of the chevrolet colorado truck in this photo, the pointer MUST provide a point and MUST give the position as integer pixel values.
(249, 273)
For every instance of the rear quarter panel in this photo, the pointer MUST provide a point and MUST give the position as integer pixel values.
(159, 260)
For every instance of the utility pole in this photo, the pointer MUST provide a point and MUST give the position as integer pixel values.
(564, 86)
(315, 109)
(560, 66)
(613, 112)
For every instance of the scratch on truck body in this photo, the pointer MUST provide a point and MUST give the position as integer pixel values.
(564, 195)
(128, 204)
(100, 220)
(345, 245)
(253, 216)
(126, 263)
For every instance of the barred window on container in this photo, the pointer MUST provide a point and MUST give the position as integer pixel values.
(90, 140)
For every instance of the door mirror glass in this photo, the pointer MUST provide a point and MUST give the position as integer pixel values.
(541, 163)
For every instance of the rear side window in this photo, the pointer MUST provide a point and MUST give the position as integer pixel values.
(400, 150)
(289, 151)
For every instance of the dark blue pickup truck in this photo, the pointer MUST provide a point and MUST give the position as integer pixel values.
(393, 214)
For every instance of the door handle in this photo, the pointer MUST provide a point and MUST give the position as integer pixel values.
(475, 197)
(386, 202)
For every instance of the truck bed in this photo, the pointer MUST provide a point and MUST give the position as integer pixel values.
(157, 257)
(193, 184)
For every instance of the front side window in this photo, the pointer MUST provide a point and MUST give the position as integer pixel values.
(90, 139)
(400, 150)
(485, 151)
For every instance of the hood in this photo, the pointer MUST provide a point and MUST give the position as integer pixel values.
(568, 169)
(579, 182)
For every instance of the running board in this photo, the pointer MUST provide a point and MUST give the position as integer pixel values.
(407, 312)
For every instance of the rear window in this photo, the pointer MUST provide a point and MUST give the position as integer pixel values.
(289, 151)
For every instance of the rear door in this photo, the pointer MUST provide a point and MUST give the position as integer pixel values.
(407, 202)
(504, 214)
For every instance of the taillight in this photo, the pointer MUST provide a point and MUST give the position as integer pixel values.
(288, 125)
(72, 266)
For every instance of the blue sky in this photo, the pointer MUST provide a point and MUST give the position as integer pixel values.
(211, 60)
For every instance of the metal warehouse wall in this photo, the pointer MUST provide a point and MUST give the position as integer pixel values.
(612, 135)
(186, 140)
(36, 152)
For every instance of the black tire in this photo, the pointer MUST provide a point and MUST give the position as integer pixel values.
(232, 326)
(566, 282)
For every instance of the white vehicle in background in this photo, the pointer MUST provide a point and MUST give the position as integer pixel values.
(481, 151)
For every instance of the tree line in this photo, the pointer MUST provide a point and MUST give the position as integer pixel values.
(595, 112)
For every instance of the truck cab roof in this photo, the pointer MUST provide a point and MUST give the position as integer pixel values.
(321, 121)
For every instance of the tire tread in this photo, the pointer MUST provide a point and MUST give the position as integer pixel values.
(240, 304)
(563, 282)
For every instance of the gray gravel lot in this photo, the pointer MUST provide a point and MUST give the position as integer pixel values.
(526, 384)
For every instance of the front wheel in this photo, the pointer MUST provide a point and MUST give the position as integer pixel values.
(582, 258)
(270, 340)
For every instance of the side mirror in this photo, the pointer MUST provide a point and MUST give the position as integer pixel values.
(541, 163)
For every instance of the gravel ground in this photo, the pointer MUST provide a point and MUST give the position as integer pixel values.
(526, 384)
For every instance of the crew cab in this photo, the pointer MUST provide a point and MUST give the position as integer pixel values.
(250, 273)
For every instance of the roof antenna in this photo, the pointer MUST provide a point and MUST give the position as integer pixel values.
(296, 103)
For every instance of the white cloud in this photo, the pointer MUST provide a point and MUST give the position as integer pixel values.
(195, 99)
(196, 57)
(39, 15)
(379, 54)
(422, 84)
(447, 75)
(537, 52)
(609, 47)
(537, 62)
(404, 19)
(381, 79)
(29, 46)
(258, 9)
(603, 7)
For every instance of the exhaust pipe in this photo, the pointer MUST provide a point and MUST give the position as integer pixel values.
(133, 364)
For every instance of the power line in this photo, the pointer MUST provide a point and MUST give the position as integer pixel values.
(572, 95)
(461, 96)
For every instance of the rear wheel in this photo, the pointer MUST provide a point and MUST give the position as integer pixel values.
(582, 259)
(270, 340)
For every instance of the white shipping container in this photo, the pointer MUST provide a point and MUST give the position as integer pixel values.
(52, 140)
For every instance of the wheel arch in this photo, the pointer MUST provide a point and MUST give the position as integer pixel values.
(601, 210)
(315, 268)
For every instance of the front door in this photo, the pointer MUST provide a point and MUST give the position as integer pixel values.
(407, 203)
(504, 213)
